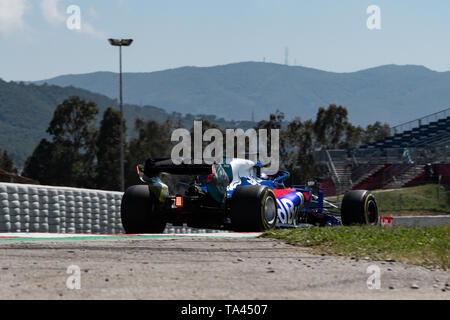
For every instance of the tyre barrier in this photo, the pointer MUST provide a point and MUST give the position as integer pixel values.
(35, 208)
(45, 209)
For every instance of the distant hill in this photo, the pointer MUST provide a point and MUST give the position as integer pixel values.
(390, 93)
(26, 111)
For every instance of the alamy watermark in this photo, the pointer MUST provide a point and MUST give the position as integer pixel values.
(257, 146)
(73, 22)
(73, 282)
(374, 20)
(374, 280)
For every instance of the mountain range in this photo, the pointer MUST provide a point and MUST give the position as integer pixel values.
(230, 94)
(390, 93)
(27, 109)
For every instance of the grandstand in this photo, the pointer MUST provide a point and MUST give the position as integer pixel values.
(433, 129)
(396, 161)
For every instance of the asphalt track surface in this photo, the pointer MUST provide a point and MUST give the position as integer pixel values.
(210, 266)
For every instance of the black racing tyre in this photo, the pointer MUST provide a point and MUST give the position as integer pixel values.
(253, 209)
(140, 211)
(359, 207)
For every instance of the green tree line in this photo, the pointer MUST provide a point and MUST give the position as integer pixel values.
(80, 155)
(77, 154)
(331, 129)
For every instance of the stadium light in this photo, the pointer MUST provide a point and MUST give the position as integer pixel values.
(121, 43)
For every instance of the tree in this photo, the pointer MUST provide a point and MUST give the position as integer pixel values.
(276, 147)
(353, 137)
(43, 163)
(6, 163)
(73, 123)
(275, 121)
(330, 126)
(206, 125)
(300, 158)
(108, 150)
(153, 141)
(70, 156)
(376, 131)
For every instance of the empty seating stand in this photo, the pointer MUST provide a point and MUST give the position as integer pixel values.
(395, 161)
(433, 133)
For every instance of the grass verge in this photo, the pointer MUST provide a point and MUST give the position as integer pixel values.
(420, 200)
(428, 246)
(413, 199)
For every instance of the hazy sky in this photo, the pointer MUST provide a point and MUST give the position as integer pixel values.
(325, 34)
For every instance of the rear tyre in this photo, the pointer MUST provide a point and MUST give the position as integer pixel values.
(253, 209)
(140, 211)
(359, 207)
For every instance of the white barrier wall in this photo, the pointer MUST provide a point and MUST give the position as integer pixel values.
(35, 208)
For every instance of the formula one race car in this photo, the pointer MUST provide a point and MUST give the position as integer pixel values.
(233, 195)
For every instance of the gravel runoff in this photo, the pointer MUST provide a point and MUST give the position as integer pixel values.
(211, 268)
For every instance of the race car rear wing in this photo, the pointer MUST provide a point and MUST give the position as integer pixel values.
(155, 166)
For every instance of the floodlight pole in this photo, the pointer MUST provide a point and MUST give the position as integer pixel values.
(120, 44)
(122, 165)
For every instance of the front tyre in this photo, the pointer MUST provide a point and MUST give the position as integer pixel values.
(140, 211)
(359, 207)
(253, 209)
